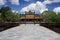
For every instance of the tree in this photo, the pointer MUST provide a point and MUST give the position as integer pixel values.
(49, 16)
(12, 16)
(3, 11)
(8, 15)
(1, 20)
(15, 17)
(58, 18)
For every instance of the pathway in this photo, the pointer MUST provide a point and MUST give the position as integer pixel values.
(29, 32)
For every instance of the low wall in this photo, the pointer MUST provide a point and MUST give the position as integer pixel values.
(7, 25)
(53, 26)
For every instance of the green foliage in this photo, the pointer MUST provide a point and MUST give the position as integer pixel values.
(58, 18)
(8, 16)
(3, 12)
(1, 20)
(49, 16)
(15, 17)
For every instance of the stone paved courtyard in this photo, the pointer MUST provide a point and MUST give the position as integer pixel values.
(29, 32)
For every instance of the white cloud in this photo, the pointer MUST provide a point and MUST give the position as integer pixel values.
(14, 11)
(16, 2)
(38, 6)
(50, 1)
(47, 2)
(57, 9)
(2, 2)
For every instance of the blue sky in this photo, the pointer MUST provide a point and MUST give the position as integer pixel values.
(24, 5)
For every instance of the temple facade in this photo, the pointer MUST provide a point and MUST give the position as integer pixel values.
(31, 16)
